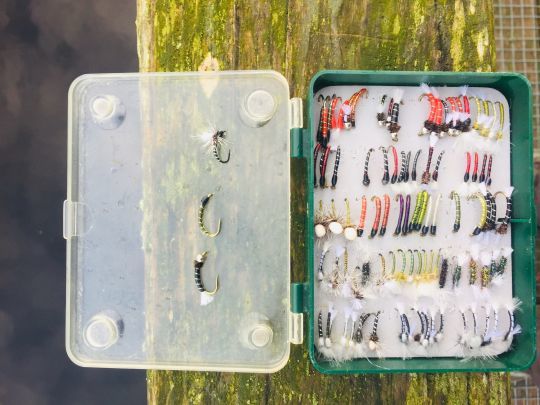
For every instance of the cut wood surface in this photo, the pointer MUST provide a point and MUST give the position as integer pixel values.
(299, 38)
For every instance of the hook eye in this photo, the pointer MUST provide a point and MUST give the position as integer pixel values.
(327, 101)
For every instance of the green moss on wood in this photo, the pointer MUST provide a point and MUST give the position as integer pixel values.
(450, 388)
(299, 38)
(417, 393)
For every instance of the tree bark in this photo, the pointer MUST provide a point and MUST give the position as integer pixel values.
(298, 38)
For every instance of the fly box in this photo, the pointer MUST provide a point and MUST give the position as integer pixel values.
(420, 222)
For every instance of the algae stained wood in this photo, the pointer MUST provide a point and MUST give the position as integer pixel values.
(298, 38)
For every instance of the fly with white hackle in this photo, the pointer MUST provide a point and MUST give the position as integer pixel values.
(213, 141)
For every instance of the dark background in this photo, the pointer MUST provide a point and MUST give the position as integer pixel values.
(44, 45)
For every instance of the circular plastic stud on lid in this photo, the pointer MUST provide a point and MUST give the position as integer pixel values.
(261, 335)
(256, 331)
(259, 108)
(107, 111)
(103, 330)
(102, 107)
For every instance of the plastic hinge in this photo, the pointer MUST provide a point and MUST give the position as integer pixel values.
(297, 150)
(297, 113)
(69, 223)
(296, 116)
(296, 316)
(72, 212)
(296, 328)
(297, 298)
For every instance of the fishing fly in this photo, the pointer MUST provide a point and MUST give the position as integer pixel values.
(482, 177)
(433, 227)
(491, 221)
(474, 176)
(347, 112)
(361, 224)
(502, 229)
(405, 224)
(468, 168)
(435, 175)
(386, 211)
(322, 166)
(375, 227)
(457, 220)
(396, 164)
(401, 177)
(214, 141)
(334, 220)
(400, 217)
(381, 116)
(321, 262)
(425, 227)
(415, 162)
(483, 213)
(488, 174)
(198, 263)
(430, 124)
(426, 176)
(204, 202)
(321, 221)
(393, 126)
(336, 167)
(349, 230)
(408, 161)
(386, 174)
(373, 337)
(365, 180)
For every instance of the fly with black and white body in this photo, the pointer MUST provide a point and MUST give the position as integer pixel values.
(394, 126)
(213, 141)
(206, 296)
(381, 116)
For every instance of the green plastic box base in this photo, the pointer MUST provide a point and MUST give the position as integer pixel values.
(517, 90)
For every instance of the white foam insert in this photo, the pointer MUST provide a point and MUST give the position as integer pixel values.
(354, 145)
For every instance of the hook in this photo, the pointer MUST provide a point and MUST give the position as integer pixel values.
(501, 120)
(391, 252)
(411, 271)
(198, 263)
(202, 226)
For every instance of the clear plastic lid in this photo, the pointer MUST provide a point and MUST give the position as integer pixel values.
(143, 153)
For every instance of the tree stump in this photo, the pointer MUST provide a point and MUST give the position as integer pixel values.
(298, 38)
